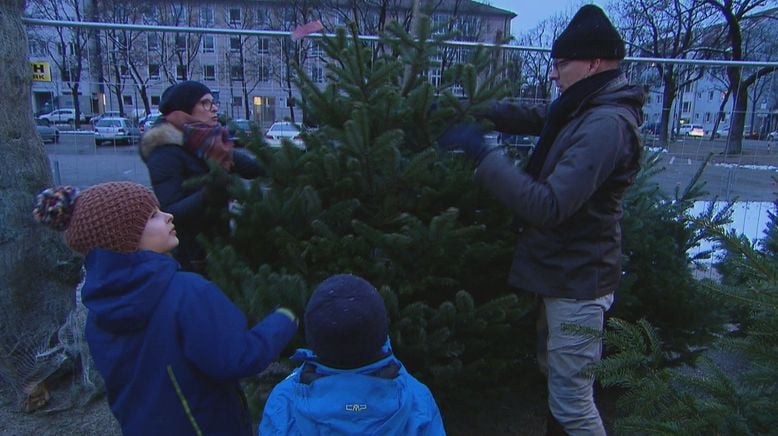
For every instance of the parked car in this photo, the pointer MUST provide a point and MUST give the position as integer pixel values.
(106, 114)
(284, 130)
(146, 122)
(62, 116)
(237, 128)
(47, 133)
(722, 132)
(691, 130)
(116, 130)
(772, 136)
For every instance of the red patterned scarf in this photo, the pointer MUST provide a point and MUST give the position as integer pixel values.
(204, 141)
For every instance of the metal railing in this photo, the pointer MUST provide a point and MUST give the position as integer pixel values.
(747, 176)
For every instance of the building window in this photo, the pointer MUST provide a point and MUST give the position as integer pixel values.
(209, 72)
(37, 48)
(263, 17)
(234, 16)
(180, 42)
(263, 45)
(124, 71)
(686, 106)
(439, 23)
(152, 41)
(235, 44)
(317, 73)
(237, 101)
(710, 96)
(181, 72)
(469, 27)
(153, 71)
(316, 50)
(206, 15)
(263, 69)
(209, 44)
(434, 77)
(150, 14)
(236, 72)
(155, 100)
(127, 99)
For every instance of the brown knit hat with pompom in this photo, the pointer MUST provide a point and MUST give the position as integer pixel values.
(109, 215)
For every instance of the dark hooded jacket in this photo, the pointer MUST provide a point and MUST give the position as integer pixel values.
(170, 165)
(569, 242)
(171, 347)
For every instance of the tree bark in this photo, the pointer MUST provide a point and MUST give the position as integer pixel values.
(34, 285)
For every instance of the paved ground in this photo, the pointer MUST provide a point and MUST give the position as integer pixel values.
(75, 160)
(748, 176)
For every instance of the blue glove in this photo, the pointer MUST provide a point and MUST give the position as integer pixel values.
(467, 137)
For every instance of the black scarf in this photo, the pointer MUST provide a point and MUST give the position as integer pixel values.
(559, 113)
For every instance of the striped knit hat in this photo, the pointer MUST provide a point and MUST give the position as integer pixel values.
(109, 215)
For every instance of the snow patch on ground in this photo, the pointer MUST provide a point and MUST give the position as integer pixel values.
(748, 167)
(749, 218)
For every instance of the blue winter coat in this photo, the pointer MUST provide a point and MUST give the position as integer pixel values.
(171, 347)
(378, 399)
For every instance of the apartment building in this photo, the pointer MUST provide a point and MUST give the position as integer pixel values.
(705, 100)
(127, 69)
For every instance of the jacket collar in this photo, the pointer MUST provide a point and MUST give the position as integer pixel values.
(162, 134)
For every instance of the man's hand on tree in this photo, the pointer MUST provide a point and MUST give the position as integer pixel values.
(468, 138)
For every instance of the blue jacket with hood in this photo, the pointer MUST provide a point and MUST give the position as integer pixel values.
(381, 398)
(171, 347)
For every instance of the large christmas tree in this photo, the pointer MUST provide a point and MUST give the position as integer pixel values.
(372, 196)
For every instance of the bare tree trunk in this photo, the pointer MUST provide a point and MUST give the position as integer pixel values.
(33, 297)
(668, 96)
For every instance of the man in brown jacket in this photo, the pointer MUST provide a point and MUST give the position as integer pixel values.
(568, 202)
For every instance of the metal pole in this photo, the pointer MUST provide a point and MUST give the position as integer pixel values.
(278, 33)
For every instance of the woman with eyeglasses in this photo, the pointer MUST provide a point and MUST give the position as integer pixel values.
(177, 150)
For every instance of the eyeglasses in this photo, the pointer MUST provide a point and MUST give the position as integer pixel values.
(557, 64)
(209, 104)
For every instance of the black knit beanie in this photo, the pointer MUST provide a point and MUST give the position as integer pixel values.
(182, 96)
(589, 35)
(345, 322)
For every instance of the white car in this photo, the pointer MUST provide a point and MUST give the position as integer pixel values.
(148, 122)
(48, 133)
(284, 130)
(116, 130)
(62, 116)
(691, 130)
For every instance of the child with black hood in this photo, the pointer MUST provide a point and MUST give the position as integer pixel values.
(169, 345)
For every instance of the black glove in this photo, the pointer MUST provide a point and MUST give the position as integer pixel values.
(467, 137)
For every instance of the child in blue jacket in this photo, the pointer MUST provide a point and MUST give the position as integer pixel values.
(350, 382)
(169, 345)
